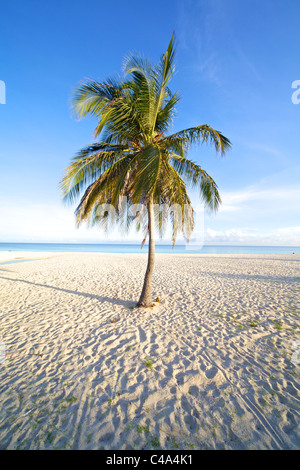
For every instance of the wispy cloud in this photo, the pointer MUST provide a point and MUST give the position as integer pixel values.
(265, 148)
(235, 200)
(52, 223)
(257, 215)
(201, 39)
(285, 236)
(244, 218)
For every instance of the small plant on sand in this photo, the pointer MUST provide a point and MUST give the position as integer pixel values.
(254, 323)
(174, 443)
(277, 324)
(148, 363)
(154, 441)
(130, 426)
(140, 429)
(50, 437)
(71, 399)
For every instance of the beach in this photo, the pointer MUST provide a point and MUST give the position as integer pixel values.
(213, 365)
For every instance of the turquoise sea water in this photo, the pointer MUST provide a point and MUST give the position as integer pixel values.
(136, 248)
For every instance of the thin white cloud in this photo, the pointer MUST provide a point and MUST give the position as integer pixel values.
(285, 236)
(234, 200)
(264, 148)
(257, 215)
(249, 215)
(52, 223)
(201, 39)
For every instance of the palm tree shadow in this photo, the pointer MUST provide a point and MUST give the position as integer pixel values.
(112, 300)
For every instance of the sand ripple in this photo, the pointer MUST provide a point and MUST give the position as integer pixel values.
(209, 367)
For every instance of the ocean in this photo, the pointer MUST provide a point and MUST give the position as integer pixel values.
(136, 248)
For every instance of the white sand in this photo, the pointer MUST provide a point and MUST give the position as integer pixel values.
(207, 368)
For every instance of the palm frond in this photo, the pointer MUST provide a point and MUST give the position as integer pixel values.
(203, 134)
(197, 176)
(162, 76)
(106, 189)
(88, 165)
(90, 96)
(146, 174)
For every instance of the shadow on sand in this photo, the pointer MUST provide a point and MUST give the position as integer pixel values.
(112, 300)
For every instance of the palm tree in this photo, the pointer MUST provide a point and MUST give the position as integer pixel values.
(136, 159)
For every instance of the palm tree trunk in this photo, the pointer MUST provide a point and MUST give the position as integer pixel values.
(146, 295)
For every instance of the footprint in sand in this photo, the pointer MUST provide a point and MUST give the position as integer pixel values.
(211, 373)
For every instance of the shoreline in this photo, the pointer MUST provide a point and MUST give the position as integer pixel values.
(6, 256)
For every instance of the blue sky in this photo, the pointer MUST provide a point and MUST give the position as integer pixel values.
(236, 62)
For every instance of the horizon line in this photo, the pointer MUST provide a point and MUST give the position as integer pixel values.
(139, 243)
